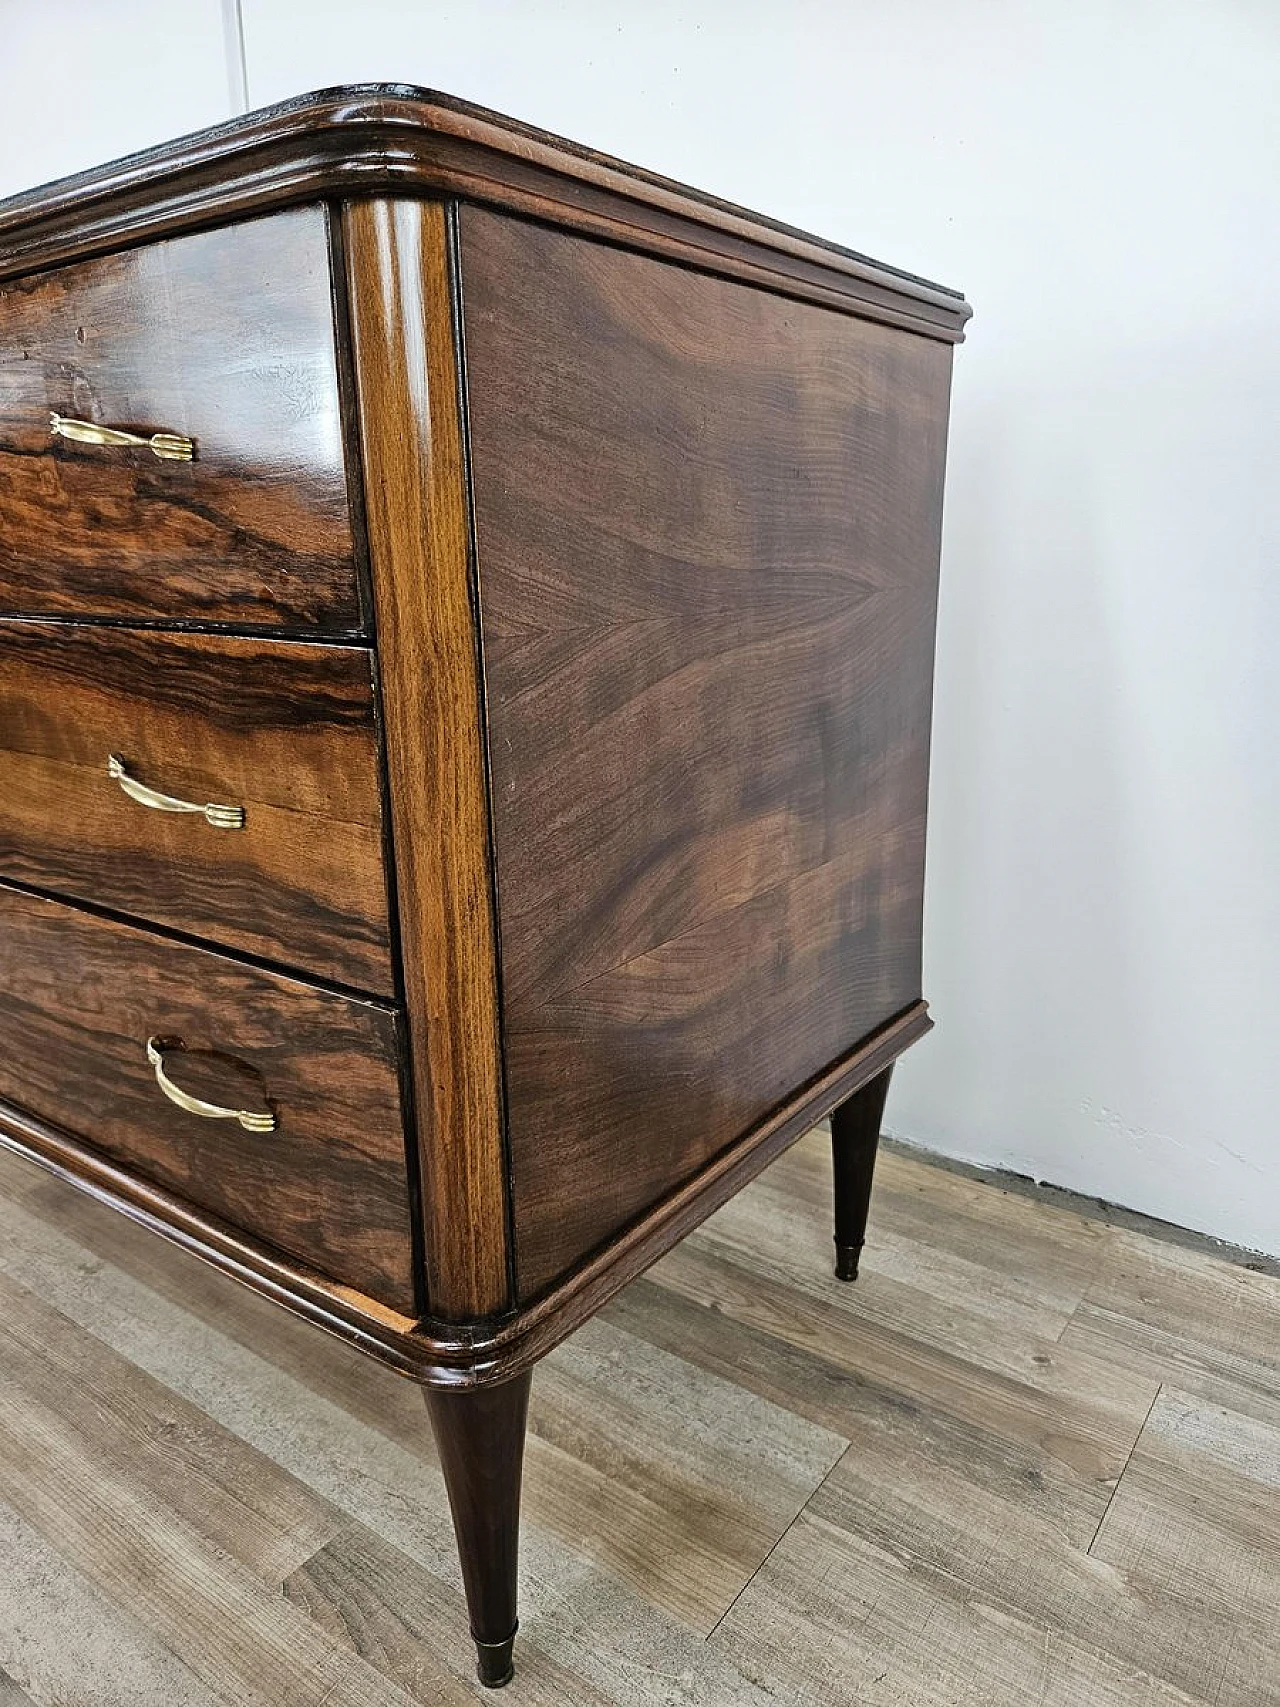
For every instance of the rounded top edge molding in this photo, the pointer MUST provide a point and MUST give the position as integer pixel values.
(370, 137)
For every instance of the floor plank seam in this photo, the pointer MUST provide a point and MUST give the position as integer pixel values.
(1124, 1469)
(306, 1564)
(947, 1563)
(779, 1539)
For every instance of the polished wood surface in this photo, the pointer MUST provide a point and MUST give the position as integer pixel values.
(80, 996)
(715, 551)
(1030, 1454)
(603, 861)
(480, 1441)
(411, 436)
(285, 731)
(397, 139)
(426, 1350)
(707, 526)
(226, 337)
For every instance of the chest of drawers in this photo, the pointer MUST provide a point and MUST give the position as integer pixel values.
(466, 633)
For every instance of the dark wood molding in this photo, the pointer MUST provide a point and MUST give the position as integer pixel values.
(384, 139)
(419, 536)
(434, 1353)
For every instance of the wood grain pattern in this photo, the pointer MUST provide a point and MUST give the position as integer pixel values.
(706, 1442)
(430, 1351)
(707, 524)
(226, 337)
(284, 730)
(94, 1648)
(1182, 1539)
(79, 997)
(399, 290)
(386, 139)
(650, 558)
(1193, 1530)
(406, 1620)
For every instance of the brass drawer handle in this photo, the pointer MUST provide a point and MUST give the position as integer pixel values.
(170, 447)
(221, 817)
(157, 1048)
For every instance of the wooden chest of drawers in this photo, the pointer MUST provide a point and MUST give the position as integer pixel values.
(466, 633)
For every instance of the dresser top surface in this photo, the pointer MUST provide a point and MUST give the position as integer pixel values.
(366, 139)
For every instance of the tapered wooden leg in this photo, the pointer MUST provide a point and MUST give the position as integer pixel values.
(855, 1133)
(480, 1437)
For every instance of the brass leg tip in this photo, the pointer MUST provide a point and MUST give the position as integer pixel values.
(493, 1662)
(847, 1261)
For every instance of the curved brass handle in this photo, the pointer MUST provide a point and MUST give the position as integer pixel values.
(221, 817)
(170, 447)
(157, 1048)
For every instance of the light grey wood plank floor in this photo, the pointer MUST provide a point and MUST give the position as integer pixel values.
(1029, 1457)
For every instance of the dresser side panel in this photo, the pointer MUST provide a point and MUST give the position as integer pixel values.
(399, 291)
(707, 525)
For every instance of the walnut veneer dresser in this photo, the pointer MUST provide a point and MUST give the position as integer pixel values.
(466, 641)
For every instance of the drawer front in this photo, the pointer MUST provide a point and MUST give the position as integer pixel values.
(227, 338)
(282, 732)
(79, 999)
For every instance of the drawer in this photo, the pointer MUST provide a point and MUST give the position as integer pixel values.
(282, 732)
(227, 338)
(79, 999)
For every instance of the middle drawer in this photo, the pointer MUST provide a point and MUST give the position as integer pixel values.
(106, 735)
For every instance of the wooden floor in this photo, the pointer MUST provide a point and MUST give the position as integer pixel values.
(1028, 1458)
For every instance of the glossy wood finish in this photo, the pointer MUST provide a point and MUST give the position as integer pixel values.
(411, 438)
(227, 337)
(651, 557)
(80, 995)
(286, 731)
(798, 619)
(707, 524)
(389, 139)
(480, 1439)
(427, 1350)
(855, 1137)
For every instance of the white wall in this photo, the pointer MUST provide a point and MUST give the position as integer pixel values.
(83, 81)
(1101, 177)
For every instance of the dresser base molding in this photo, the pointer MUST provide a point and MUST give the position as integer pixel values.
(486, 1353)
(476, 1382)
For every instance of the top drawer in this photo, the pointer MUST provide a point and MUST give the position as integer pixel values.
(225, 338)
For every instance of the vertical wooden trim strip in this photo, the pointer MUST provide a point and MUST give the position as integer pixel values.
(416, 510)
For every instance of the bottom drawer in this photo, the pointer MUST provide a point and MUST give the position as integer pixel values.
(321, 1176)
